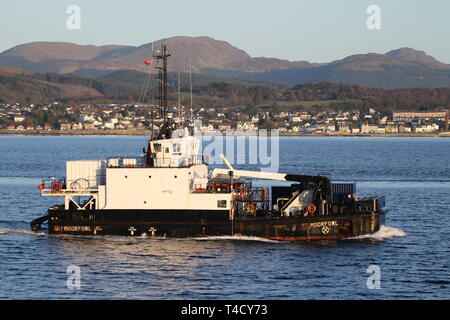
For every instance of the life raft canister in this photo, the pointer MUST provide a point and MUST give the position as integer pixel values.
(311, 208)
(243, 194)
(265, 194)
(56, 186)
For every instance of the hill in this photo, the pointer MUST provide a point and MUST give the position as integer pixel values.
(400, 68)
(18, 85)
(418, 57)
(197, 52)
(383, 76)
(21, 85)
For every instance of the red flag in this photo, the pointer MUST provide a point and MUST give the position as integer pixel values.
(148, 62)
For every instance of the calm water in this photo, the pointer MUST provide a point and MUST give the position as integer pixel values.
(412, 251)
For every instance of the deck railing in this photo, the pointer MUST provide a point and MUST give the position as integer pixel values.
(252, 195)
(61, 186)
(164, 162)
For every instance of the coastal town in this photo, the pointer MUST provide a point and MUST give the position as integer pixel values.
(59, 118)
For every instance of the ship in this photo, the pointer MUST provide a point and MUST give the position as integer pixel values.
(169, 191)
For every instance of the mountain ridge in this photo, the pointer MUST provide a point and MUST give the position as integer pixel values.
(403, 67)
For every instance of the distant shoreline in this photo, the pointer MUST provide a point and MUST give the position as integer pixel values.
(147, 133)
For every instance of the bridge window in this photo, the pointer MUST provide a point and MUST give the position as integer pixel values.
(157, 147)
(221, 203)
(176, 148)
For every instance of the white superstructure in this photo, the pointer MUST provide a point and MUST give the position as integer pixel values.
(176, 180)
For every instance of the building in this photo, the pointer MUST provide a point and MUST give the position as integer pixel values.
(19, 119)
(208, 127)
(255, 119)
(403, 128)
(295, 119)
(299, 117)
(409, 116)
(89, 126)
(223, 127)
(430, 128)
(344, 127)
(246, 126)
(65, 126)
(370, 128)
(383, 120)
(305, 116)
(391, 128)
(110, 125)
(77, 126)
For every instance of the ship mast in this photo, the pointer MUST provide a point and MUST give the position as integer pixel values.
(163, 55)
(180, 114)
(190, 87)
(165, 132)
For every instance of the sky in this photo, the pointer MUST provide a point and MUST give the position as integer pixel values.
(314, 30)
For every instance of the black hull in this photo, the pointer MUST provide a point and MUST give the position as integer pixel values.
(201, 223)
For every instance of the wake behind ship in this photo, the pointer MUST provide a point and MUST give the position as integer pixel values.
(169, 192)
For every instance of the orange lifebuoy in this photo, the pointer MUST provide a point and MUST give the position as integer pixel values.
(311, 208)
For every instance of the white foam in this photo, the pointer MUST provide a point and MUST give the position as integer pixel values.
(235, 237)
(20, 232)
(385, 232)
